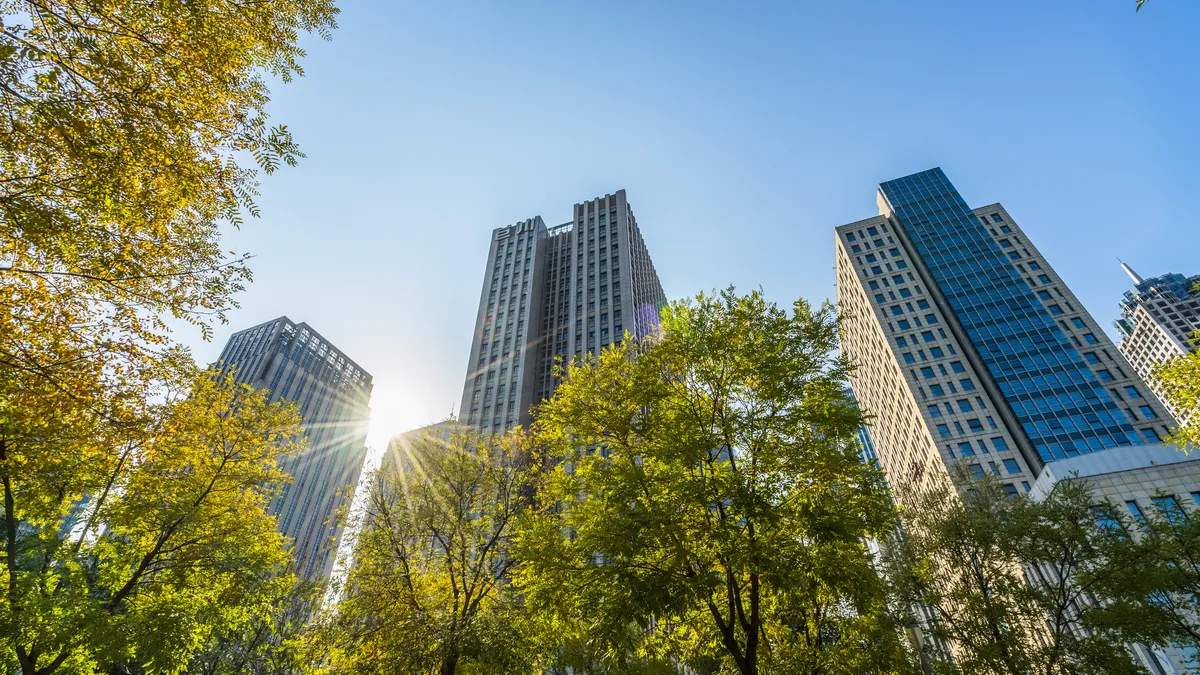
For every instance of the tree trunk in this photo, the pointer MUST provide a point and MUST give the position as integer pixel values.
(449, 663)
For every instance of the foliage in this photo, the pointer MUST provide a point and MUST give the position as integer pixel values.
(272, 642)
(1179, 380)
(1153, 595)
(429, 590)
(133, 542)
(1011, 583)
(711, 507)
(120, 144)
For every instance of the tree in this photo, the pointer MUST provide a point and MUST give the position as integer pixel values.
(1012, 586)
(430, 589)
(1153, 593)
(133, 543)
(1179, 380)
(123, 129)
(710, 505)
(272, 641)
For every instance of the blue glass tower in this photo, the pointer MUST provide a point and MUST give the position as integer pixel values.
(1054, 395)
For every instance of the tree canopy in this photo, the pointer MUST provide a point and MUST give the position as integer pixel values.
(709, 505)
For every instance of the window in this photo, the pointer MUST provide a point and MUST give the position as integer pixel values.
(1147, 412)
(872, 231)
(900, 342)
(922, 304)
(877, 270)
(943, 430)
(898, 279)
(1034, 266)
(895, 252)
(936, 390)
(996, 218)
(874, 285)
(930, 318)
(1132, 392)
(900, 265)
(1104, 375)
(927, 373)
(927, 336)
(905, 293)
(1005, 229)
(1078, 323)
(1168, 507)
(1090, 339)
(1091, 358)
(870, 257)
(1136, 511)
(974, 424)
(908, 357)
(850, 236)
(966, 450)
(1004, 243)
(1055, 310)
(903, 324)
(936, 352)
(976, 471)
(1010, 465)
(896, 310)
(1150, 436)
(957, 367)
(879, 297)
(1009, 489)
(964, 405)
(999, 444)
(967, 384)
(934, 411)
(1044, 295)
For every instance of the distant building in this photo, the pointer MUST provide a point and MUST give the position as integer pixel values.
(333, 394)
(1158, 317)
(554, 293)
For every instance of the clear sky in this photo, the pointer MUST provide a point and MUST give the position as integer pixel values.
(743, 133)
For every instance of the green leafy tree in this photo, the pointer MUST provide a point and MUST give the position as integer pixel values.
(1153, 594)
(272, 641)
(1179, 380)
(430, 588)
(1013, 586)
(710, 506)
(134, 543)
(124, 128)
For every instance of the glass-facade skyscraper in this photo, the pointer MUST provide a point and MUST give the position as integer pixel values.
(333, 394)
(971, 348)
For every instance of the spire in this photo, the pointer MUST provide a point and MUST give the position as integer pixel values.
(1137, 281)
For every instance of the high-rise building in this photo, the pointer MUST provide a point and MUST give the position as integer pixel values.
(971, 348)
(552, 293)
(1158, 317)
(333, 394)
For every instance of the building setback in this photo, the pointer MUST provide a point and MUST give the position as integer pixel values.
(1158, 317)
(552, 293)
(970, 347)
(332, 394)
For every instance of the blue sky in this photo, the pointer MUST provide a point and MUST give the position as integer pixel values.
(742, 132)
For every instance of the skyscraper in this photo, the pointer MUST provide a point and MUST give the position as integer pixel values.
(555, 292)
(970, 347)
(1158, 317)
(332, 393)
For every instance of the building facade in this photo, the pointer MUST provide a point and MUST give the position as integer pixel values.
(1158, 317)
(970, 348)
(555, 293)
(333, 394)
